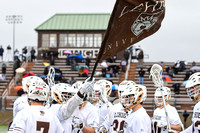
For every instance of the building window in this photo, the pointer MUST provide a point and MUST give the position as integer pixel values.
(97, 40)
(63, 40)
(80, 40)
(49, 40)
(72, 40)
(89, 40)
(53, 40)
(45, 40)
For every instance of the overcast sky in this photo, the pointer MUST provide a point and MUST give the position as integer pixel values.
(177, 39)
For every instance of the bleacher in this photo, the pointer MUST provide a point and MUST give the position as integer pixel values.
(38, 69)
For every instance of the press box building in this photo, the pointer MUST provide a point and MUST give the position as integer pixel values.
(74, 32)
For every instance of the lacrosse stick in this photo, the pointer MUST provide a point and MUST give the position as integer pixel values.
(50, 77)
(104, 99)
(156, 75)
(51, 82)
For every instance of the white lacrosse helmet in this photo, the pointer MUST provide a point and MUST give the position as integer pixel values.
(62, 92)
(193, 86)
(38, 90)
(100, 87)
(27, 80)
(124, 84)
(139, 93)
(158, 96)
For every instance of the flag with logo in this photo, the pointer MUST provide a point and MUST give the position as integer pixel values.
(130, 22)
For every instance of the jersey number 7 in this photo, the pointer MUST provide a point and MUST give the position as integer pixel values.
(44, 125)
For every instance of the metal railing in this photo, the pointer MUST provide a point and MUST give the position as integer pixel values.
(6, 103)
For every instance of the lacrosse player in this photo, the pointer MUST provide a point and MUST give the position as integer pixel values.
(114, 122)
(138, 121)
(22, 101)
(159, 122)
(36, 118)
(85, 117)
(193, 91)
(102, 90)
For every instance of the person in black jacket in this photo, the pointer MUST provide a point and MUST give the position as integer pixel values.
(3, 69)
(1, 52)
(16, 65)
(141, 73)
(87, 62)
(24, 52)
(32, 54)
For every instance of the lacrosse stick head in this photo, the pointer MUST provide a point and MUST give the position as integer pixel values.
(51, 76)
(156, 75)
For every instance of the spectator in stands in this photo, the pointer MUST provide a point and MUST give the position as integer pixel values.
(104, 71)
(116, 70)
(123, 65)
(141, 73)
(185, 116)
(140, 57)
(85, 72)
(24, 52)
(162, 64)
(176, 66)
(176, 87)
(182, 66)
(111, 72)
(170, 71)
(104, 67)
(111, 59)
(73, 64)
(51, 55)
(1, 52)
(16, 53)
(149, 69)
(193, 64)
(126, 55)
(187, 75)
(16, 65)
(87, 62)
(3, 69)
(9, 54)
(32, 54)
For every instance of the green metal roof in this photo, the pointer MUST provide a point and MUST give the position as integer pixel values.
(93, 21)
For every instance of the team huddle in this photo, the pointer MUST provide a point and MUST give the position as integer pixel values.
(84, 108)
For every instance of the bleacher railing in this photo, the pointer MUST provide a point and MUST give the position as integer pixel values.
(7, 91)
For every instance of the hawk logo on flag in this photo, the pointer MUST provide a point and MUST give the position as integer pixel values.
(142, 24)
(131, 21)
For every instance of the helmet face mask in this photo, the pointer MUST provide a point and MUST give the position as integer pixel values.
(101, 87)
(95, 95)
(193, 87)
(124, 84)
(62, 92)
(133, 95)
(194, 92)
(158, 96)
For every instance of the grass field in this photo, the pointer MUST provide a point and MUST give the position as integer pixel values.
(3, 129)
